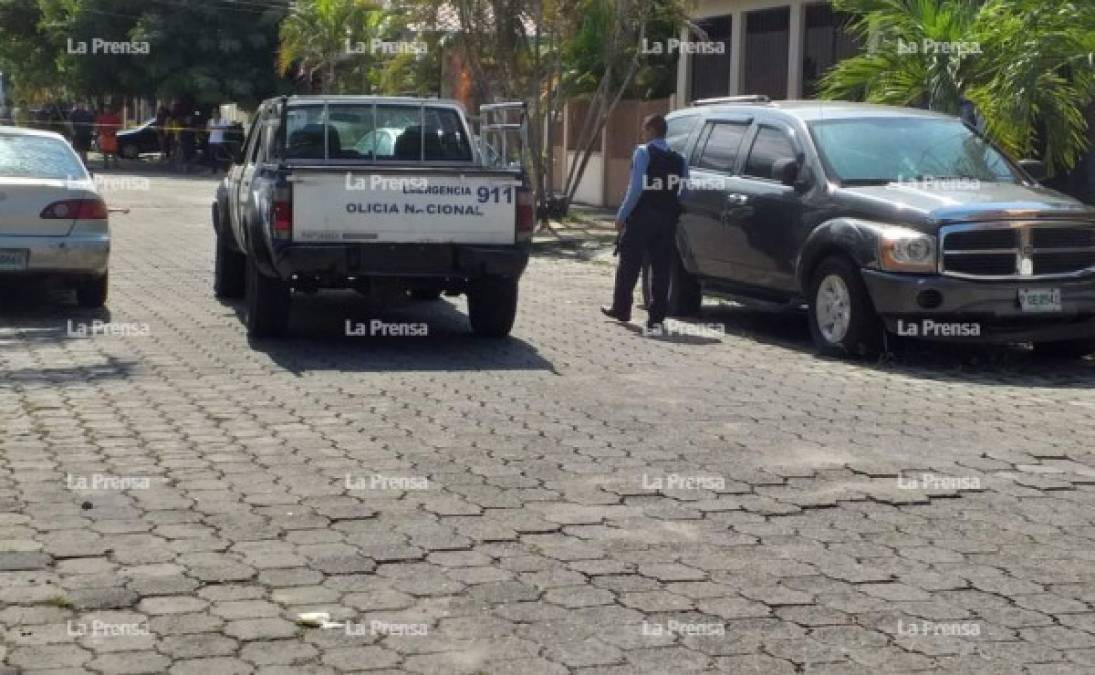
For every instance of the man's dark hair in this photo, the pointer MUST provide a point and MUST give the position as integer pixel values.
(655, 123)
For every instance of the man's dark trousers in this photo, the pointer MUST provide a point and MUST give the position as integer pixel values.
(646, 233)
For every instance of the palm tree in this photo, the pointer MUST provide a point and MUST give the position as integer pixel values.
(1027, 65)
(315, 34)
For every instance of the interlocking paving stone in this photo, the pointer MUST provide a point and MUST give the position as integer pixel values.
(538, 544)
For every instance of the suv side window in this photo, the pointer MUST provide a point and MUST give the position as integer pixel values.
(770, 146)
(679, 129)
(720, 153)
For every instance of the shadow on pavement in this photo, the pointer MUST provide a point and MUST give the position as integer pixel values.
(318, 338)
(32, 316)
(1000, 365)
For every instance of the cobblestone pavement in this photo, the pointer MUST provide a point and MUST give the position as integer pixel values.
(579, 498)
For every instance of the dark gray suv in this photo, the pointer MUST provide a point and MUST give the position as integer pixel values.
(879, 218)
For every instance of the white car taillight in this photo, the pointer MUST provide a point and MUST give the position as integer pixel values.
(75, 209)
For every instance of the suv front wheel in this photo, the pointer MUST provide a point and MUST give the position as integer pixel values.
(842, 320)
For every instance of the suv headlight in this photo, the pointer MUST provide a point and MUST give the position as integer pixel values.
(903, 250)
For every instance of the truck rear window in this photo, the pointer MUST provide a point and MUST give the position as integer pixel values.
(397, 133)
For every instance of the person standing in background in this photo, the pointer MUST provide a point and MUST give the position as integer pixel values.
(20, 117)
(215, 128)
(83, 128)
(108, 124)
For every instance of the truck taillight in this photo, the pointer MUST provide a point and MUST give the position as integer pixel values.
(75, 209)
(526, 214)
(282, 216)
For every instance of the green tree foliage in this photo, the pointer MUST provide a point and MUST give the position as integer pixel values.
(203, 51)
(327, 46)
(1027, 65)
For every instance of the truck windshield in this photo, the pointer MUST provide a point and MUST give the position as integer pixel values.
(880, 150)
(399, 133)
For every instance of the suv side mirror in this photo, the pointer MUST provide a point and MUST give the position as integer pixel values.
(786, 171)
(1034, 167)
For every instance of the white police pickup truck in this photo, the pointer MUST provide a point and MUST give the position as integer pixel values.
(386, 195)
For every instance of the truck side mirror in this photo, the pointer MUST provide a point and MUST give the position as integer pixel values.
(1034, 167)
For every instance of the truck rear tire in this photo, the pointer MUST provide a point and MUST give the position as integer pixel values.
(267, 304)
(492, 306)
(229, 271)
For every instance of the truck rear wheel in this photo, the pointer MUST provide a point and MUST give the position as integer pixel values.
(229, 270)
(492, 306)
(267, 304)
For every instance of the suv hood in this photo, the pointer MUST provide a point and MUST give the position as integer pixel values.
(926, 206)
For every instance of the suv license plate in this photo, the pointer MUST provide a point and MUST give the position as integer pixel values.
(13, 259)
(1040, 299)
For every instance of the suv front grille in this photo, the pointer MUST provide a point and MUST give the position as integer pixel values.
(1023, 250)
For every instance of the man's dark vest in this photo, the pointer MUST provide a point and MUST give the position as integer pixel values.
(661, 190)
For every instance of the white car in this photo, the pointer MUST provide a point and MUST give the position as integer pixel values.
(53, 221)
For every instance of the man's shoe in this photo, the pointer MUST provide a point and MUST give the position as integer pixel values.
(613, 314)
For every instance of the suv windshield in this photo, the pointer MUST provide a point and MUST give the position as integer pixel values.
(879, 150)
(381, 133)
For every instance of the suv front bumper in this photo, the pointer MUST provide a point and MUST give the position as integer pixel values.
(992, 305)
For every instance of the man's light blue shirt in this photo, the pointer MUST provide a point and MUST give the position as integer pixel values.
(639, 163)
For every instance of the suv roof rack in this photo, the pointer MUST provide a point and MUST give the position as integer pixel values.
(751, 98)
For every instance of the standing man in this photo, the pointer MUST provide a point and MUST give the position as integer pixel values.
(215, 152)
(648, 220)
(108, 124)
(83, 128)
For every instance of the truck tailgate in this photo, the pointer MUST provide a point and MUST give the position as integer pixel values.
(421, 207)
